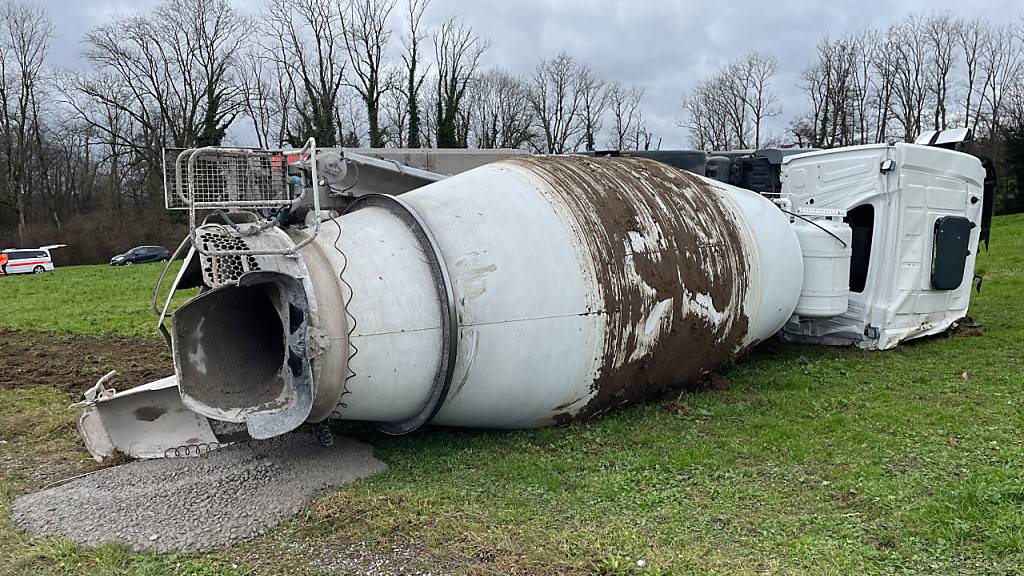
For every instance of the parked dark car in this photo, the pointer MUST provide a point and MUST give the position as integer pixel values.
(141, 254)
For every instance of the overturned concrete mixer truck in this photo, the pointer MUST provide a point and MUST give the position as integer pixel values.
(499, 289)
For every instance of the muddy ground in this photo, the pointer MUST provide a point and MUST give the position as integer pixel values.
(74, 363)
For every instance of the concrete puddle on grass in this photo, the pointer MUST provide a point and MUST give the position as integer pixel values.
(195, 503)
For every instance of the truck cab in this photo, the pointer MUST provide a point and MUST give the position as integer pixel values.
(916, 216)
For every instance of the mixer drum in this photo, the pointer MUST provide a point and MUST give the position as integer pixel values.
(532, 291)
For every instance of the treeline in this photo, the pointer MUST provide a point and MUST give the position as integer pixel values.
(925, 72)
(81, 148)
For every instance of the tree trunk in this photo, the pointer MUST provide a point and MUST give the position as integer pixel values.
(21, 216)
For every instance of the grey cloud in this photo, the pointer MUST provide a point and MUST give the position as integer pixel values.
(662, 45)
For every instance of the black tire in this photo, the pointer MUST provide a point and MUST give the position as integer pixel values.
(38, 270)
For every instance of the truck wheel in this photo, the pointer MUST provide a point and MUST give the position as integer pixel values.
(38, 270)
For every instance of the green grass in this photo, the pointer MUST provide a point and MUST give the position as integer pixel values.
(906, 461)
(84, 299)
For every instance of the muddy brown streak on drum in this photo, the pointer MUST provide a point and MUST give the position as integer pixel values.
(700, 252)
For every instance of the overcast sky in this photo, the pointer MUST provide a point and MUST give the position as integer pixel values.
(663, 45)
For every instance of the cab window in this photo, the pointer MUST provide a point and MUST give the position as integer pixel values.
(862, 220)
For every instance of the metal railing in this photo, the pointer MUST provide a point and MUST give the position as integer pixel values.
(218, 178)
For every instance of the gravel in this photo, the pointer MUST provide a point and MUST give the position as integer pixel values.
(360, 559)
(198, 503)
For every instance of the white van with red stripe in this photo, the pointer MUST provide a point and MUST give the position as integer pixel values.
(28, 260)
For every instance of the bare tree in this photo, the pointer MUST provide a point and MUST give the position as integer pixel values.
(883, 80)
(864, 44)
(706, 116)
(910, 96)
(414, 77)
(557, 96)
(728, 110)
(113, 128)
(367, 34)
(972, 35)
(267, 94)
(183, 55)
(302, 39)
(1015, 98)
(941, 34)
(850, 91)
(351, 119)
(595, 104)
(428, 122)
(624, 105)
(865, 86)
(501, 112)
(396, 114)
(73, 174)
(167, 77)
(178, 63)
(756, 73)
(1001, 63)
(25, 33)
(641, 137)
(457, 49)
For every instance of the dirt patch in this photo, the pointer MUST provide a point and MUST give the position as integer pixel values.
(675, 407)
(714, 381)
(966, 326)
(671, 399)
(74, 363)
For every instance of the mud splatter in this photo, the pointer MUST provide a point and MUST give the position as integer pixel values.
(671, 269)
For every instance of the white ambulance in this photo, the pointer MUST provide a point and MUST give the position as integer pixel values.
(27, 260)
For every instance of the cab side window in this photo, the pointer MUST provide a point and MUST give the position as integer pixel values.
(862, 220)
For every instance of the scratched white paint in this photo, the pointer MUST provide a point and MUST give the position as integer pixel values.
(474, 282)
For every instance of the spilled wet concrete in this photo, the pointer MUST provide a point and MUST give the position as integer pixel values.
(195, 503)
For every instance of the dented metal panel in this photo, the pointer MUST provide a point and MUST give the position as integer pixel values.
(143, 422)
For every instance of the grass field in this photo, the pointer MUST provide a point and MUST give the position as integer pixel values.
(907, 461)
(84, 299)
